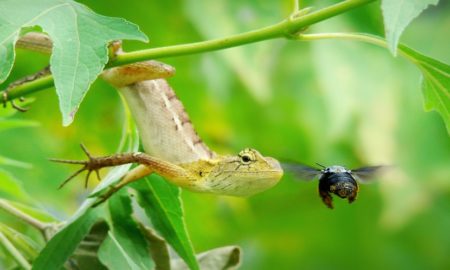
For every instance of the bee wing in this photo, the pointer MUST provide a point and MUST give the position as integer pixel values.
(365, 174)
(301, 171)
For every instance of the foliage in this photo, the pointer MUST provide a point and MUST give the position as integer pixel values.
(435, 83)
(324, 101)
(79, 54)
(398, 14)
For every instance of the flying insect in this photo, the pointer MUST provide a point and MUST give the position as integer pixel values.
(335, 179)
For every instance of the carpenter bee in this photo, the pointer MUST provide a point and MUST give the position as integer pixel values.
(334, 179)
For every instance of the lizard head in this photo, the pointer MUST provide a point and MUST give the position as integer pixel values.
(245, 174)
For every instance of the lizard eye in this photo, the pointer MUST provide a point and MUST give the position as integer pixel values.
(246, 158)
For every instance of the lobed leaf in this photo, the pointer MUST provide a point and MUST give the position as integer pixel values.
(80, 39)
(398, 14)
(161, 202)
(435, 82)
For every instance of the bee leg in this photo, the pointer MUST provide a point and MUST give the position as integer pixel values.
(352, 197)
(326, 198)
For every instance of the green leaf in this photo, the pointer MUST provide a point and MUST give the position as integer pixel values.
(80, 39)
(158, 248)
(126, 239)
(63, 244)
(86, 254)
(223, 258)
(114, 256)
(398, 14)
(12, 188)
(435, 82)
(161, 202)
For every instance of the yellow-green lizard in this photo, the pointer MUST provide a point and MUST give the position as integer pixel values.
(172, 147)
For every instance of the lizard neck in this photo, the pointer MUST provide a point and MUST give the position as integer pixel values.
(165, 128)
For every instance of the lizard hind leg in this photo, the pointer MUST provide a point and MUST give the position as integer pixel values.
(171, 172)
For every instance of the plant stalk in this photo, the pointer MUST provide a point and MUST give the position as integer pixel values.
(287, 28)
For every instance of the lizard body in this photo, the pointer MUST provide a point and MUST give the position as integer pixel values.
(170, 136)
(173, 148)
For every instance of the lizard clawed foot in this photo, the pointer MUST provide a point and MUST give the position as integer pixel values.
(17, 107)
(13, 104)
(91, 165)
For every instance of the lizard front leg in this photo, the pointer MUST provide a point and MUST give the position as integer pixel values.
(171, 172)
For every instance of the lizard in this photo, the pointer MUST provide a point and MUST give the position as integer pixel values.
(172, 147)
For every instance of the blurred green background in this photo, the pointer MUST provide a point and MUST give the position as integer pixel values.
(332, 102)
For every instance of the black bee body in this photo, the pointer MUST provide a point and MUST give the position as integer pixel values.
(333, 180)
(339, 181)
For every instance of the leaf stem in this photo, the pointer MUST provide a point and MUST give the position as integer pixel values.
(14, 252)
(286, 28)
(41, 226)
(372, 39)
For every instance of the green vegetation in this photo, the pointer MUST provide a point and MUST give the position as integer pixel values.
(316, 95)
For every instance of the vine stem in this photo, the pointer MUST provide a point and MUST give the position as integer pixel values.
(287, 28)
(14, 252)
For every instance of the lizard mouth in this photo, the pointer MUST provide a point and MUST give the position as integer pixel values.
(275, 164)
(244, 181)
(254, 182)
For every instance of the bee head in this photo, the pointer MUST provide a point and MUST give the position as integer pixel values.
(335, 169)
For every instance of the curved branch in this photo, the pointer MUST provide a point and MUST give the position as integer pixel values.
(287, 28)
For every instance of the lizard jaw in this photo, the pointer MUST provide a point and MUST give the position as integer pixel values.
(245, 182)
